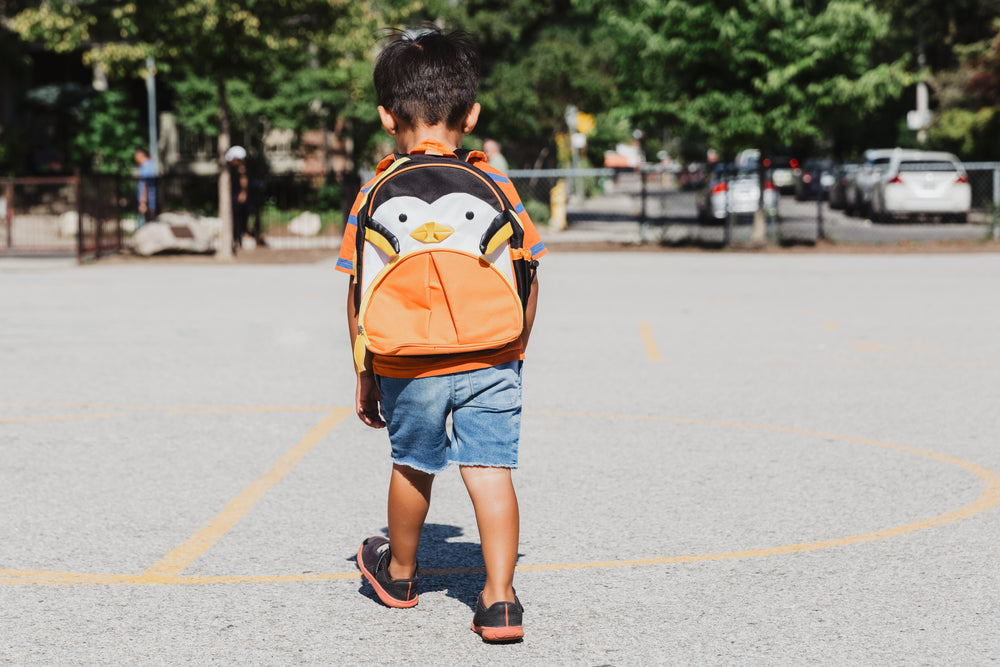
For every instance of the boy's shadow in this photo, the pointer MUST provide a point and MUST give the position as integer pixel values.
(445, 565)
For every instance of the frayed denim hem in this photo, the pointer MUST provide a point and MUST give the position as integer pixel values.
(511, 466)
(421, 468)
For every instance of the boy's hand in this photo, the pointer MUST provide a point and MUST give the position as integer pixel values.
(366, 401)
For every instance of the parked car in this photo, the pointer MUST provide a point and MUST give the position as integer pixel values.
(813, 179)
(781, 167)
(782, 172)
(733, 190)
(859, 194)
(840, 189)
(922, 183)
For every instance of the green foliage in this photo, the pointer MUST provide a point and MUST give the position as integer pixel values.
(329, 196)
(107, 132)
(538, 211)
(749, 73)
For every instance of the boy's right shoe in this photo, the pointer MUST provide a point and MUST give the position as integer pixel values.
(373, 559)
(500, 623)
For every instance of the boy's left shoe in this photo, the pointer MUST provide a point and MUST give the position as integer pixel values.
(373, 559)
(501, 622)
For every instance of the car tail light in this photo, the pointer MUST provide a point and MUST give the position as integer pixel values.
(793, 163)
(769, 186)
(962, 178)
(895, 179)
(719, 188)
(807, 178)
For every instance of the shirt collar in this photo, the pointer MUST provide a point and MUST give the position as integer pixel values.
(429, 147)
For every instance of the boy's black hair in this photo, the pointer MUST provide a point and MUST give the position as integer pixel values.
(429, 76)
(143, 151)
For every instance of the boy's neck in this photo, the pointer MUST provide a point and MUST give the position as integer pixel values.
(409, 137)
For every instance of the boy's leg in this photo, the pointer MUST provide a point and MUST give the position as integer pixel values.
(409, 499)
(495, 503)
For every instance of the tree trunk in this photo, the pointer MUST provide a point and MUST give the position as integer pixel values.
(224, 251)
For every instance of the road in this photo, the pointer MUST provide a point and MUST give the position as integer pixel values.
(727, 458)
(672, 218)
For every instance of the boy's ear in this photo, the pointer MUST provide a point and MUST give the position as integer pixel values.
(471, 118)
(388, 120)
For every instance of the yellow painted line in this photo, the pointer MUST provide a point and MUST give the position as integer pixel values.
(646, 331)
(167, 572)
(867, 346)
(58, 418)
(203, 539)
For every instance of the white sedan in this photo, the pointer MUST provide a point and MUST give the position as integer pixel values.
(922, 183)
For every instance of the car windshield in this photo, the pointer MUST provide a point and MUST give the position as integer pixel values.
(932, 165)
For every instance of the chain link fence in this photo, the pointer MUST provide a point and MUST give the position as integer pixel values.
(92, 215)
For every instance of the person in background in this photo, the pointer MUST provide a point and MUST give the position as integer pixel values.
(146, 190)
(239, 183)
(493, 155)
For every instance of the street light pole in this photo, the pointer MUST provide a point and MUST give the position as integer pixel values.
(151, 97)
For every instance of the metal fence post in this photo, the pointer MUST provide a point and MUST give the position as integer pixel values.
(78, 193)
(642, 205)
(820, 230)
(8, 194)
(996, 202)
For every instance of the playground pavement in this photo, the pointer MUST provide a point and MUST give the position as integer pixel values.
(726, 458)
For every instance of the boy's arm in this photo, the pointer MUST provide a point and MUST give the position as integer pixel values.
(366, 395)
(529, 313)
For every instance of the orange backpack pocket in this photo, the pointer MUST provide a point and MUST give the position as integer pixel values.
(440, 301)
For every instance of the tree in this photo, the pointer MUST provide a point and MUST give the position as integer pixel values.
(750, 73)
(221, 40)
(968, 121)
(107, 132)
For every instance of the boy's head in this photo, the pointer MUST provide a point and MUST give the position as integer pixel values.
(427, 78)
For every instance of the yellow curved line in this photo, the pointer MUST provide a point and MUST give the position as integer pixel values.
(166, 572)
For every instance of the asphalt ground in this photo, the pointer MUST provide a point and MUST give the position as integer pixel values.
(727, 458)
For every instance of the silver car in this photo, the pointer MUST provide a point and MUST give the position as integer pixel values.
(859, 195)
(922, 184)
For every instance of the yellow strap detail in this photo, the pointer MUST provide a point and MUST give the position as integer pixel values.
(379, 241)
(391, 168)
(359, 353)
(502, 235)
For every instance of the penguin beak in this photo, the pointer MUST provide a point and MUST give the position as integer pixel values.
(431, 232)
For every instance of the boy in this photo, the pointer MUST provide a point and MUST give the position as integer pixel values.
(426, 88)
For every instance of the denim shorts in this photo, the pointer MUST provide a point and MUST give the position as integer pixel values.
(485, 410)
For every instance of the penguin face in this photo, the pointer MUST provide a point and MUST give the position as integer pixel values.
(456, 219)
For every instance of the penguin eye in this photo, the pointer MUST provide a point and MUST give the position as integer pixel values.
(469, 215)
(402, 217)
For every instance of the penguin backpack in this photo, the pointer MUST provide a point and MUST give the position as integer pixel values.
(441, 267)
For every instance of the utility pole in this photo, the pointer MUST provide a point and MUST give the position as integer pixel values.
(151, 97)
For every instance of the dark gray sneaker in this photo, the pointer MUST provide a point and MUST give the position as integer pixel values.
(500, 623)
(373, 559)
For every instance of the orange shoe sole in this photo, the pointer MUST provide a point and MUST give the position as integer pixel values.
(387, 599)
(505, 634)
